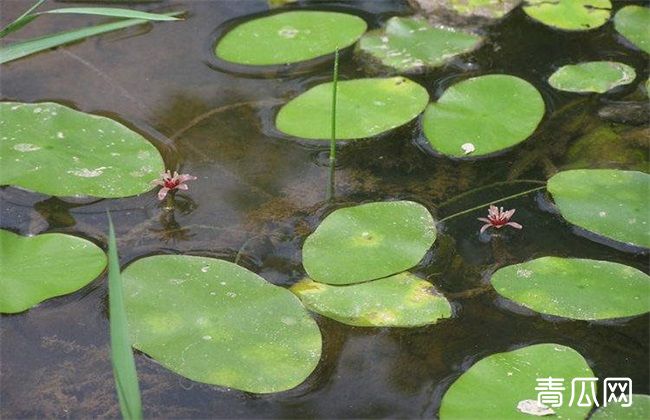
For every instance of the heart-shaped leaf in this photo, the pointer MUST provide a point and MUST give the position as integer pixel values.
(593, 76)
(412, 45)
(368, 241)
(632, 22)
(609, 202)
(483, 115)
(40, 267)
(215, 322)
(365, 108)
(402, 300)
(572, 15)
(52, 149)
(575, 288)
(494, 386)
(289, 37)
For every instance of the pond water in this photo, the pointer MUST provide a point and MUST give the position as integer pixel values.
(258, 188)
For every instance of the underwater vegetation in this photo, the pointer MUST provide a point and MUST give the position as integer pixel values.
(212, 315)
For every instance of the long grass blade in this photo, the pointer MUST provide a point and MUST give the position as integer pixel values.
(335, 80)
(22, 20)
(32, 46)
(111, 12)
(126, 378)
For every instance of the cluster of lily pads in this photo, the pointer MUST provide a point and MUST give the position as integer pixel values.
(216, 322)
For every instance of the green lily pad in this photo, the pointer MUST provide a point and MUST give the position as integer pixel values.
(412, 45)
(483, 115)
(289, 37)
(493, 387)
(633, 22)
(368, 241)
(593, 76)
(365, 108)
(609, 202)
(571, 15)
(575, 288)
(52, 149)
(41, 267)
(402, 300)
(640, 409)
(215, 322)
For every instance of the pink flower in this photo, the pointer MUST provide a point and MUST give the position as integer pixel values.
(172, 183)
(497, 218)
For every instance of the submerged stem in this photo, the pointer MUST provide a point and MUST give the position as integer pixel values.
(335, 79)
(460, 213)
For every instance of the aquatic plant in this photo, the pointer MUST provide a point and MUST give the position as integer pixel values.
(497, 218)
(124, 372)
(171, 183)
(24, 48)
(632, 22)
(40, 267)
(289, 37)
(571, 15)
(53, 149)
(592, 76)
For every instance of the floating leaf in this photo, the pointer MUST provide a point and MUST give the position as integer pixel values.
(368, 241)
(640, 409)
(633, 22)
(412, 45)
(575, 288)
(593, 76)
(402, 300)
(609, 202)
(483, 114)
(31, 46)
(40, 267)
(215, 322)
(289, 37)
(365, 107)
(572, 15)
(52, 149)
(494, 386)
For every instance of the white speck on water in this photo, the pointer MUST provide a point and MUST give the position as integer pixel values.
(87, 173)
(379, 103)
(60, 135)
(207, 337)
(602, 214)
(522, 272)
(231, 294)
(205, 269)
(223, 283)
(213, 293)
(38, 110)
(288, 32)
(26, 147)
(468, 148)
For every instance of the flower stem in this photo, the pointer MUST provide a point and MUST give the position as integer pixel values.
(460, 213)
(335, 79)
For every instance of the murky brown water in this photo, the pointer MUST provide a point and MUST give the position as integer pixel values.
(258, 187)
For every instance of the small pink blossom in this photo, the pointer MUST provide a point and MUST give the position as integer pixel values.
(172, 183)
(497, 218)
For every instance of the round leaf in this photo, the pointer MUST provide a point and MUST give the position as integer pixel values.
(368, 241)
(37, 268)
(289, 37)
(575, 288)
(402, 300)
(609, 202)
(365, 107)
(483, 115)
(594, 76)
(215, 322)
(494, 386)
(52, 149)
(633, 22)
(640, 409)
(411, 45)
(572, 15)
